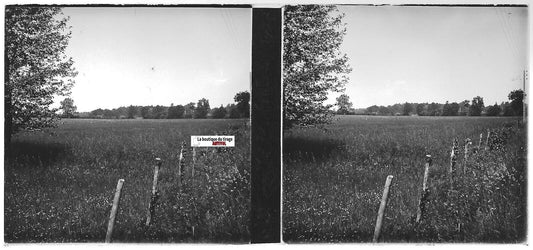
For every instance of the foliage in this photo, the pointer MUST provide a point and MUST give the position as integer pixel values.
(233, 111)
(132, 112)
(344, 105)
(243, 104)
(175, 112)
(159, 112)
(37, 68)
(313, 65)
(494, 110)
(372, 110)
(68, 107)
(433, 109)
(219, 113)
(517, 101)
(450, 109)
(507, 109)
(145, 110)
(202, 108)
(189, 110)
(407, 108)
(420, 109)
(477, 106)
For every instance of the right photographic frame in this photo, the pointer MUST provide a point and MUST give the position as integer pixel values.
(405, 123)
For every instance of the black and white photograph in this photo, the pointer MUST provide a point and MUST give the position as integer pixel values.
(271, 123)
(127, 124)
(405, 123)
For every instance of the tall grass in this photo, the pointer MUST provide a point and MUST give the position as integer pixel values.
(59, 184)
(333, 181)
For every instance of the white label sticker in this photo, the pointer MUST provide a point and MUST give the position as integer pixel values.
(212, 141)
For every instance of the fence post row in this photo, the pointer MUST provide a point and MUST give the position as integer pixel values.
(381, 211)
(153, 198)
(114, 210)
(425, 191)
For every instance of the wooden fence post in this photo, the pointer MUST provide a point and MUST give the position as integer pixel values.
(153, 198)
(480, 142)
(193, 162)
(381, 210)
(180, 162)
(114, 210)
(487, 142)
(425, 191)
(467, 143)
(453, 160)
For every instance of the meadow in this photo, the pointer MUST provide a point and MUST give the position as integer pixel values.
(333, 180)
(59, 183)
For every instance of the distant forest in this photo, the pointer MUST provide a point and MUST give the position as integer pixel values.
(476, 107)
(199, 110)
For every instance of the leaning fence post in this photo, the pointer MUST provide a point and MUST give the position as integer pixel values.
(153, 198)
(425, 191)
(114, 209)
(487, 142)
(382, 206)
(453, 160)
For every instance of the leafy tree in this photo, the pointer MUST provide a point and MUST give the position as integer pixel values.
(407, 108)
(68, 107)
(243, 104)
(464, 107)
(175, 112)
(477, 106)
(433, 109)
(231, 109)
(313, 65)
(494, 110)
(507, 109)
(159, 112)
(110, 114)
(517, 102)
(372, 110)
(189, 110)
(97, 113)
(450, 109)
(344, 104)
(219, 113)
(202, 108)
(131, 112)
(384, 111)
(145, 112)
(420, 109)
(36, 67)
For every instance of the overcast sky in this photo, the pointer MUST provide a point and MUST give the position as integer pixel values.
(159, 56)
(434, 54)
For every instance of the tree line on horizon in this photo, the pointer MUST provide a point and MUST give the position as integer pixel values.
(476, 107)
(199, 110)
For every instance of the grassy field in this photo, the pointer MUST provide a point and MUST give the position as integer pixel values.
(60, 183)
(333, 180)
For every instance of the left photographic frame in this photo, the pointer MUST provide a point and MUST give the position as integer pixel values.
(100, 95)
